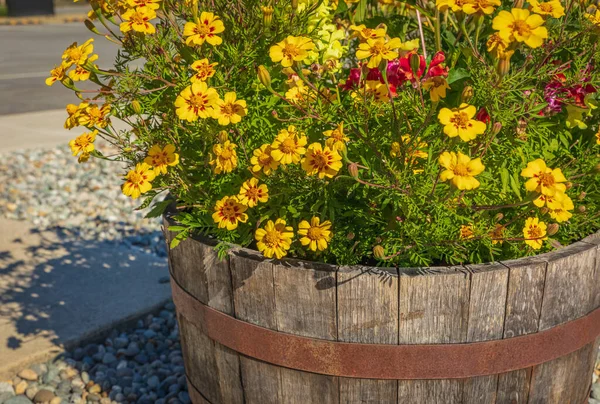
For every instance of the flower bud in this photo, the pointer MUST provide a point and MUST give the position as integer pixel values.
(90, 25)
(294, 5)
(496, 128)
(264, 76)
(137, 107)
(350, 236)
(581, 195)
(467, 94)
(267, 15)
(353, 170)
(569, 184)
(581, 209)
(504, 63)
(552, 229)
(544, 210)
(415, 63)
(597, 169)
(222, 136)
(378, 252)
(518, 4)
(499, 217)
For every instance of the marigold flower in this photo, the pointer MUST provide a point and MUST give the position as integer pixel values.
(543, 179)
(204, 70)
(315, 234)
(459, 122)
(413, 150)
(153, 4)
(79, 74)
(274, 239)
(93, 116)
(496, 45)
(518, 25)
(372, 90)
(437, 87)
(300, 94)
(138, 20)
(83, 144)
(559, 209)
(262, 160)
(336, 138)
(321, 161)
(251, 193)
(480, 6)
(466, 232)
(229, 110)
(597, 136)
(78, 55)
(288, 146)
(74, 112)
(364, 33)
(454, 5)
(160, 159)
(291, 49)
(461, 170)
(553, 8)
(229, 212)
(225, 157)
(56, 74)
(206, 29)
(594, 18)
(377, 50)
(534, 233)
(196, 101)
(139, 180)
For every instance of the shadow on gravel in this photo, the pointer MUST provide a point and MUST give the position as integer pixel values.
(57, 290)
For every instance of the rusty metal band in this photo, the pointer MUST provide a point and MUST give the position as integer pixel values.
(380, 361)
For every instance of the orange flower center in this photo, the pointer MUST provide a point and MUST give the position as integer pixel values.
(272, 238)
(228, 109)
(320, 160)
(75, 54)
(265, 159)
(197, 101)
(202, 29)
(136, 177)
(226, 154)
(138, 18)
(314, 233)
(230, 211)
(534, 231)
(288, 145)
(461, 170)
(337, 135)
(546, 7)
(546, 179)
(252, 193)
(521, 27)
(460, 120)
(378, 48)
(290, 51)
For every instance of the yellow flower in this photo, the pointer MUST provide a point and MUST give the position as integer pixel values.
(481, 6)
(466, 232)
(288, 146)
(74, 112)
(559, 209)
(56, 74)
(598, 137)
(138, 181)
(437, 87)
(262, 160)
(518, 25)
(460, 122)
(543, 179)
(196, 101)
(300, 94)
(83, 144)
(225, 157)
(153, 4)
(251, 193)
(204, 70)
(92, 115)
(364, 33)
(206, 29)
(138, 20)
(454, 5)
(78, 55)
(546, 200)
(594, 18)
(461, 170)
(274, 239)
(336, 138)
(413, 151)
(321, 161)
(229, 212)
(377, 50)
(534, 233)
(373, 89)
(315, 234)
(552, 8)
(291, 49)
(229, 110)
(160, 159)
(79, 74)
(497, 235)
(497, 46)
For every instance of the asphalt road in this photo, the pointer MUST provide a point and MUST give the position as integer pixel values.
(28, 53)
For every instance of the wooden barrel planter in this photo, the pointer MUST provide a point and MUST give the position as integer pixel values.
(262, 331)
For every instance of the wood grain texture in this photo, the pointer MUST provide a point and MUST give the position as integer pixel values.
(489, 285)
(523, 307)
(433, 309)
(305, 304)
(254, 302)
(368, 313)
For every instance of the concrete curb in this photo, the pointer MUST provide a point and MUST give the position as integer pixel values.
(52, 19)
(95, 336)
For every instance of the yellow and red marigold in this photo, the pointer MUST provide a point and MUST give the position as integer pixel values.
(534, 233)
(543, 179)
(206, 29)
(459, 122)
(262, 160)
(321, 161)
(291, 49)
(225, 157)
(229, 212)
(138, 20)
(161, 158)
(196, 101)
(251, 193)
(315, 234)
(139, 180)
(288, 146)
(274, 239)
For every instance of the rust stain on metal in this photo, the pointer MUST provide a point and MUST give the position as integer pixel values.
(380, 361)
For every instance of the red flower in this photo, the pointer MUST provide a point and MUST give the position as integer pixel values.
(483, 116)
(400, 70)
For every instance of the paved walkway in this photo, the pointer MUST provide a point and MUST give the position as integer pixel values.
(54, 294)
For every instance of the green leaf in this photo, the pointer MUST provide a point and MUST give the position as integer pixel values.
(515, 185)
(159, 208)
(457, 74)
(361, 11)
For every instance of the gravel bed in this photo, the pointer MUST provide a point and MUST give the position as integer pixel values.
(143, 365)
(50, 189)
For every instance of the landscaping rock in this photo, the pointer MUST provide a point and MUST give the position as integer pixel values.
(28, 374)
(44, 396)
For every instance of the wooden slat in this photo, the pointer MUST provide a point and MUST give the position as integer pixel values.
(489, 284)
(523, 307)
(433, 309)
(254, 302)
(305, 304)
(569, 293)
(368, 313)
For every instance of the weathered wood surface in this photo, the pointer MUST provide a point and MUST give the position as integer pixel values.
(354, 304)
